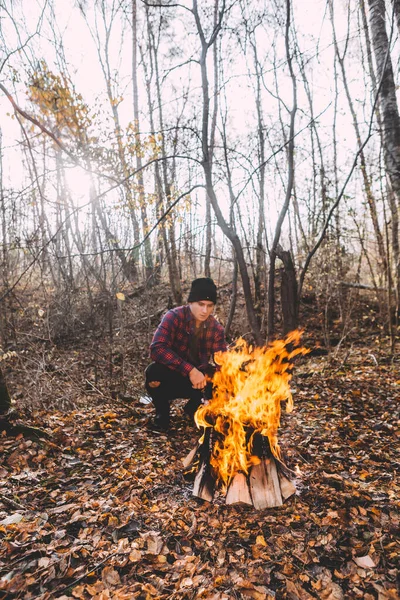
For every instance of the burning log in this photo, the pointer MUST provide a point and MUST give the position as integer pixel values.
(239, 491)
(239, 451)
(191, 457)
(204, 483)
(266, 485)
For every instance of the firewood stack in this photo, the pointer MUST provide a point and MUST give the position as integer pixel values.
(266, 485)
(239, 450)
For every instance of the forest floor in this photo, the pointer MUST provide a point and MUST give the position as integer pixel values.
(101, 508)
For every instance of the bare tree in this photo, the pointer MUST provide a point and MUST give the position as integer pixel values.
(228, 230)
(107, 17)
(139, 166)
(275, 251)
(388, 116)
(163, 176)
(363, 163)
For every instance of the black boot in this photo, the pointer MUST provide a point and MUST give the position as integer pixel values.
(161, 421)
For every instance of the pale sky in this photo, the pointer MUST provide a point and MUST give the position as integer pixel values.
(85, 72)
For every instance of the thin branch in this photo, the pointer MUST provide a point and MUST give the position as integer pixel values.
(178, 66)
(22, 45)
(353, 166)
(160, 5)
(12, 503)
(83, 577)
(288, 141)
(43, 248)
(33, 120)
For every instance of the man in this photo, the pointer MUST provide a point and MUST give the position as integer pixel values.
(183, 344)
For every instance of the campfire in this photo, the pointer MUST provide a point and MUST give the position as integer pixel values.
(239, 451)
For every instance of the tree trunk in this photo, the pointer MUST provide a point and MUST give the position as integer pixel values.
(164, 185)
(148, 258)
(396, 8)
(285, 207)
(289, 294)
(363, 165)
(395, 244)
(227, 230)
(207, 259)
(260, 270)
(4, 251)
(387, 103)
(5, 400)
(232, 306)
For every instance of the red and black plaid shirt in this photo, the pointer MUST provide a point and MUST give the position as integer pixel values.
(171, 341)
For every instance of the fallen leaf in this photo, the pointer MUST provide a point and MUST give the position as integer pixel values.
(110, 577)
(296, 592)
(135, 555)
(79, 592)
(256, 592)
(261, 540)
(326, 588)
(154, 542)
(44, 562)
(12, 519)
(187, 582)
(365, 562)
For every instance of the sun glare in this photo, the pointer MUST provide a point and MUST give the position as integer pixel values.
(78, 182)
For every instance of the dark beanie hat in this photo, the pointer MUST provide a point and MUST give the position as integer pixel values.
(203, 289)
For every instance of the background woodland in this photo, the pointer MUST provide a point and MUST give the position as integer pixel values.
(144, 143)
(254, 142)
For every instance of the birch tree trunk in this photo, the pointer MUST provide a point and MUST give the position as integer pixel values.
(363, 164)
(388, 106)
(163, 182)
(148, 259)
(207, 259)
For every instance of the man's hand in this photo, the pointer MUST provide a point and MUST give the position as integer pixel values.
(197, 379)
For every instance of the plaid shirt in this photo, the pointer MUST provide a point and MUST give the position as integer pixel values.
(171, 341)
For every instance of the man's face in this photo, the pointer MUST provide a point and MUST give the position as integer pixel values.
(201, 310)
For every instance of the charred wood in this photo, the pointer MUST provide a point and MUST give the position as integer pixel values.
(266, 485)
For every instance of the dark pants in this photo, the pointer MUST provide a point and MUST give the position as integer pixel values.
(173, 385)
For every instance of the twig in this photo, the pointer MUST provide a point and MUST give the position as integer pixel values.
(361, 286)
(149, 317)
(373, 359)
(126, 405)
(8, 502)
(95, 388)
(76, 581)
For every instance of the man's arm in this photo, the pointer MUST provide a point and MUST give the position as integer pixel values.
(215, 343)
(219, 342)
(161, 350)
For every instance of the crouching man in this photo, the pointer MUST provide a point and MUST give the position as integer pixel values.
(182, 347)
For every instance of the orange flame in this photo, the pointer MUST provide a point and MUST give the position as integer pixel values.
(247, 396)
